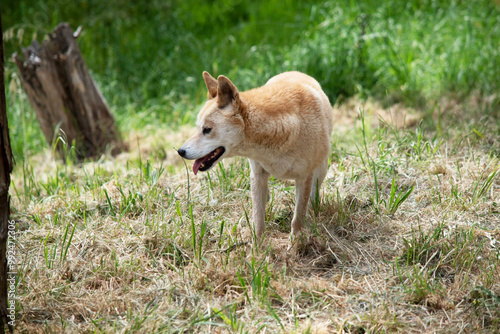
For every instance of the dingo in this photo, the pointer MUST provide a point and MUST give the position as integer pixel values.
(283, 128)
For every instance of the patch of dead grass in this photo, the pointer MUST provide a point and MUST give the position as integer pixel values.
(138, 270)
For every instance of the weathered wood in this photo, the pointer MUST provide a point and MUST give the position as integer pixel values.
(5, 170)
(65, 97)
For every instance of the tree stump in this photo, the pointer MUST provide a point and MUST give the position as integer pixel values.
(5, 170)
(65, 98)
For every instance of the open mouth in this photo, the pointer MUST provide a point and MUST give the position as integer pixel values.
(208, 160)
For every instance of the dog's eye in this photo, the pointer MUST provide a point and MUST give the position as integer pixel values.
(206, 131)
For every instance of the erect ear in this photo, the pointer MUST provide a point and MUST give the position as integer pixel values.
(227, 92)
(211, 83)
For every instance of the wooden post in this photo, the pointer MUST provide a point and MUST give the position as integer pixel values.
(5, 170)
(65, 97)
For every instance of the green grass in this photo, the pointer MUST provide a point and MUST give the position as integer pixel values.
(148, 58)
(405, 237)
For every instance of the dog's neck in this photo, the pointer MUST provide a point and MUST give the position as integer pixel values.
(264, 129)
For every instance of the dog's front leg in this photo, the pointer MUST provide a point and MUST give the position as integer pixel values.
(258, 183)
(302, 191)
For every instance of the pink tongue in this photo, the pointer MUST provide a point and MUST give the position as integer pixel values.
(197, 165)
(198, 162)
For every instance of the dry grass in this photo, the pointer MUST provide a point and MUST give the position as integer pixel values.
(108, 246)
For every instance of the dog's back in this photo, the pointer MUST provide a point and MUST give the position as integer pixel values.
(295, 77)
(292, 117)
(304, 80)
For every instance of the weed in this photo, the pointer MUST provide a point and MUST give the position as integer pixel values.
(259, 284)
(483, 184)
(486, 305)
(230, 318)
(396, 197)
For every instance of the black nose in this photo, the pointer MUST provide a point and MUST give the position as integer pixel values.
(182, 152)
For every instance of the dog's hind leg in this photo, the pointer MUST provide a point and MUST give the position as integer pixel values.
(302, 190)
(258, 183)
(319, 176)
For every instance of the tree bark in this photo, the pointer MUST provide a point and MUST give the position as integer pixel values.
(5, 170)
(65, 97)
